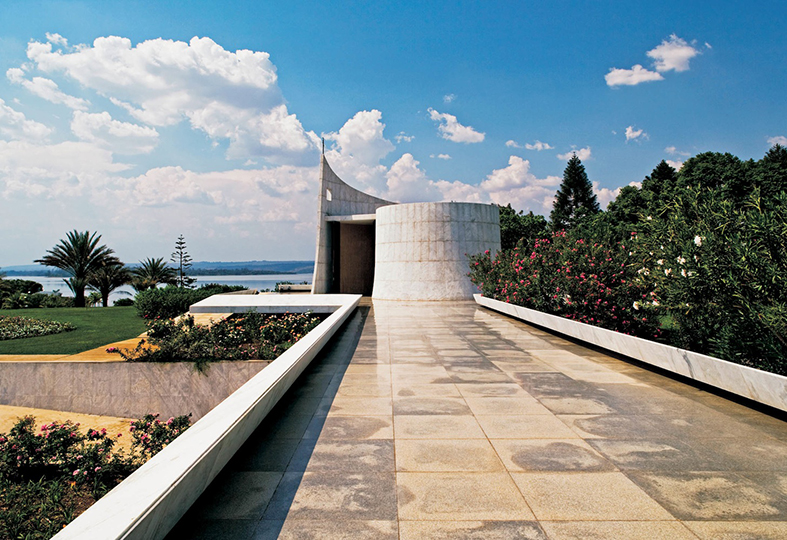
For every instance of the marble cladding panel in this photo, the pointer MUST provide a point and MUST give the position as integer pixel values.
(422, 249)
(120, 388)
(757, 385)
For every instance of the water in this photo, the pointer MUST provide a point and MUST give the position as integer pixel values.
(259, 282)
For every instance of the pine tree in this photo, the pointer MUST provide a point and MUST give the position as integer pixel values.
(575, 198)
(182, 259)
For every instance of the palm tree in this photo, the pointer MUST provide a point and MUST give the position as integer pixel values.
(80, 256)
(108, 278)
(150, 273)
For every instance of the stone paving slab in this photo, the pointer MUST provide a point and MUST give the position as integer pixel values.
(445, 420)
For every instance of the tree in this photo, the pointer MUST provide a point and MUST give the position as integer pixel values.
(659, 186)
(150, 273)
(712, 171)
(516, 227)
(79, 255)
(107, 279)
(182, 259)
(575, 199)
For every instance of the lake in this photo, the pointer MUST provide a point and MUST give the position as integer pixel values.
(259, 282)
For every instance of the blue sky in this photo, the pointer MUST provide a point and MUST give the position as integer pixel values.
(144, 121)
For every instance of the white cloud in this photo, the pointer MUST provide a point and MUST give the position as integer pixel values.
(408, 183)
(403, 137)
(228, 95)
(359, 147)
(54, 170)
(538, 145)
(56, 39)
(583, 154)
(677, 165)
(14, 125)
(673, 151)
(120, 137)
(46, 89)
(448, 98)
(512, 144)
(452, 130)
(440, 156)
(673, 54)
(708, 45)
(515, 184)
(634, 134)
(780, 140)
(631, 77)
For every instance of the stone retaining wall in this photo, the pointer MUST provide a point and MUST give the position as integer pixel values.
(125, 389)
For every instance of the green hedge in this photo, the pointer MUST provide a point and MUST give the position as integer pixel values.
(172, 301)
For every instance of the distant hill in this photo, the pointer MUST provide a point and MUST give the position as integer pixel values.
(199, 268)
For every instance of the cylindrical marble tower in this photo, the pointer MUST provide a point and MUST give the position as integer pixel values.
(421, 249)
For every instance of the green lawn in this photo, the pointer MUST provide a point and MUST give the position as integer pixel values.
(95, 327)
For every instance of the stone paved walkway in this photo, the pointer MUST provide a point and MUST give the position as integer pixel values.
(445, 420)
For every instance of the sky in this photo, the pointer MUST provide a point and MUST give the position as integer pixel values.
(146, 120)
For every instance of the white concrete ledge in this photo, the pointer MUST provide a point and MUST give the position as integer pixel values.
(757, 385)
(152, 500)
(272, 303)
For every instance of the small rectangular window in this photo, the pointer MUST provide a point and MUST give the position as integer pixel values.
(328, 194)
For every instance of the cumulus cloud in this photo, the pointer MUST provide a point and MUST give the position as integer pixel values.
(452, 130)
(120, 137)
(673, 151)
(442, 156)
(56, 39)
(677, 165)
(673, 54)
(779, 139)
(15, 125)
(634, 134)
(583, 154)
(403, 137)
(631, 77)
(513, 144)
(53, 170)
(230, 96)
(359, 147)
(538, 145)
(448, 98)
(408, 183)
(46, 89)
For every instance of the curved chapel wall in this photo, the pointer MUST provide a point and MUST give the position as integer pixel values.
(421, 249)
(336, 199)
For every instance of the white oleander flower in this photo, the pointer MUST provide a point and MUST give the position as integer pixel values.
(667, 271)
(683, 272)
(681, 260)
(698, 241)
(635, 305)
(660, 262)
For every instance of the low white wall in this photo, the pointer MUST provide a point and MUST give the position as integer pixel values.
(152, 500)
(421, 249)
(757, 385)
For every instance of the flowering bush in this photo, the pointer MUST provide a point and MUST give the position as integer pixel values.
(172, 301)
(251, 336)
(572, 278)
(46, 477)
(720, 270)
(24, 327)
(150, 435)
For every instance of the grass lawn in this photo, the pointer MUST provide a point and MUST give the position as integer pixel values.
(94, 327)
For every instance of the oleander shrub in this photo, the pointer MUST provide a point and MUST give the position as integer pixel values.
(48, 477)
(25, 327)
(250, 336)
(123, 302)
(573, 278)
(172, 301)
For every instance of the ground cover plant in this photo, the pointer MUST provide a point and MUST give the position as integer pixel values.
(696, 258)
(94, 328)
(25, 327)
(249, 336)
(49, 477)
